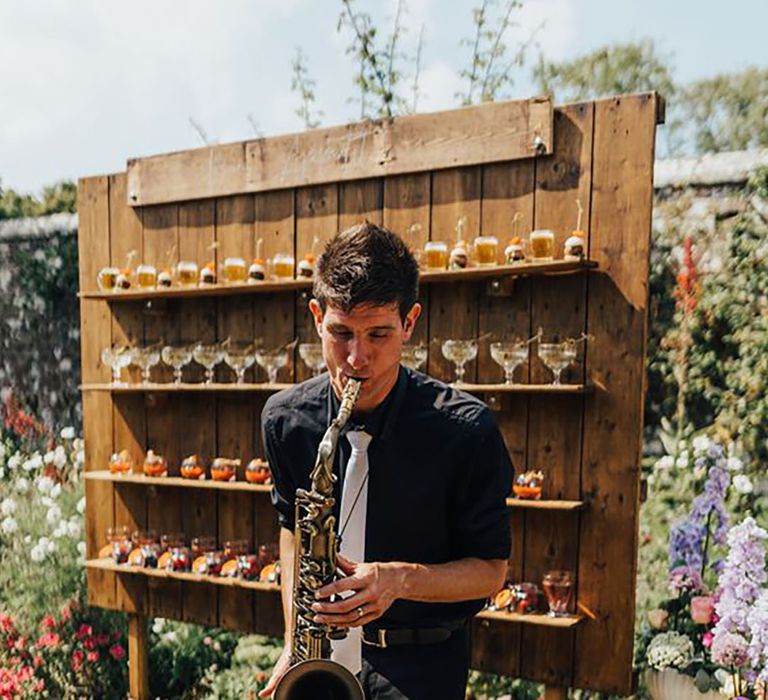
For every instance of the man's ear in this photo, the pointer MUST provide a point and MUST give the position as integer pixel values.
(317, 313)
(410, 321)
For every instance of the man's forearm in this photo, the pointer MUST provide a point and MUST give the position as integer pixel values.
(464, 579)
(287, 553)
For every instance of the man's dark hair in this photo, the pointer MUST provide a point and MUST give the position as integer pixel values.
(366, 264)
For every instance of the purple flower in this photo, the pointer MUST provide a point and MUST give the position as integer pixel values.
(758, 627)
(729, 650)
(685, 578)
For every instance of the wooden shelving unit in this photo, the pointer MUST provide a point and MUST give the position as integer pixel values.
(529, 504)
(177, 481)
(109, 565)
(539, 619)
(554, 267)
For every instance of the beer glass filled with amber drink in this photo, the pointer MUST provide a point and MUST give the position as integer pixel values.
(146, 276)
(282, 266)
(436, 254)
(187, 272)
(542, 244)
(486, 250)
(235, 270)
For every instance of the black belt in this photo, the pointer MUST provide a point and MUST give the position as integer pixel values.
(400, 636)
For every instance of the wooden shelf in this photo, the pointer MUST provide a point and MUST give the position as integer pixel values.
(540, 619)
(555, 267)
(170, 387)
(104, 475)
(523, 503)
(110, 565)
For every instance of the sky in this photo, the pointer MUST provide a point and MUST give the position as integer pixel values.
(87, 84)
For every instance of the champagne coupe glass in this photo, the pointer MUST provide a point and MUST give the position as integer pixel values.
(312, 355)
(509, 354)
(176, 356)
(557, 356)
(145, 359)
(239, 356)
(117, 357)
(272, 361)
(208, 355)
(413, 356)
(459, 352)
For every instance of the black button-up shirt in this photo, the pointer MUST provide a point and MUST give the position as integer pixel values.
(439, 474)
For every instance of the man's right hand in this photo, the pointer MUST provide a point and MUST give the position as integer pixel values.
(282, 665)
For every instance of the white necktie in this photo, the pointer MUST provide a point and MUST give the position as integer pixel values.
(354, 504)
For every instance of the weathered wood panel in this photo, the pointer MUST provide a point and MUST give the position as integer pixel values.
(488, 133)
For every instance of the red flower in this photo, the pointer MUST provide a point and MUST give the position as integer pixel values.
(77, 659)
(102, 639)
(84, 631)
(48, 623)
(37, 661)
(89, 643)
(6, 624)
(117, 652)
(49, 639)
(92, 656)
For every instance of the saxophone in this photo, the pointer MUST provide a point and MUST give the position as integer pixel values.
(312, 675)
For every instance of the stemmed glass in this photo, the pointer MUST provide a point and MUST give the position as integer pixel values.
(145, 359)
(459, 352)
(117, 357)
(208, 355)
(509, 354)
(557, 356)
(413, 356)
(272, 361)
(239, 356)
(312, 355)
(178, 357)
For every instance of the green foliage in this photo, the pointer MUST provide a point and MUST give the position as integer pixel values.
(728, 112)
(490, 68)
(57, 198)
(611, 70)
(305, 87)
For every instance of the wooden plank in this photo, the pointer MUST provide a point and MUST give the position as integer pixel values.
(177, 482)
(492, 132)
(453, 312)
(620, 228)
(94, 253)
(559, 307)
(360, 201)
(129, 427)
(533, 619)
(138, 656)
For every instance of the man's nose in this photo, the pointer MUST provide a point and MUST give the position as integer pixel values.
(357, 356)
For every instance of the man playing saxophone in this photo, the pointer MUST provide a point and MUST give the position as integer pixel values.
(422, 477)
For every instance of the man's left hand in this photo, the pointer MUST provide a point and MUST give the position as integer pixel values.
(374, 586)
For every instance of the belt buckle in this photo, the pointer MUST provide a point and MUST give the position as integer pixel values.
(381, 643)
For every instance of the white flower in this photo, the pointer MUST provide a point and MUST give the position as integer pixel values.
(60, 531)
(2, 473)
(37, 554)
(14, 461)
(60, 457)
(39, 255)
(742, 483)
(22, 485)
(48, 457)
(8, 506)
(44, 484)
(55, 490)
(77, 444)
(46, 501)
(3, 451)
(54, 515)
(67, 433)
(9, 525)
(669, 650)
(81, 505)
(666, 462)
(81, 549)
(51, 546)
(73, 529)
(700, 444)
(735, 464)
(64, 366)
(681, 462)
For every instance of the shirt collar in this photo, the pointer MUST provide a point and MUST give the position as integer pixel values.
(381, 421)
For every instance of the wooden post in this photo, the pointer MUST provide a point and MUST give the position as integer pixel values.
(138, 660)
(553, 693)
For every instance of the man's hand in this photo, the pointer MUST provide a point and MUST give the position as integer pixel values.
(282, 665)
(374, 586)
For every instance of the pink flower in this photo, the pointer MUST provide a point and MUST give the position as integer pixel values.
(702, 608)
(77, 659)
(706, 639)
(89, 643)
(92, 656)
(49, 639)
(102, 639)
(6, 624)
(84, 631)
(117, 652)
(48, 623)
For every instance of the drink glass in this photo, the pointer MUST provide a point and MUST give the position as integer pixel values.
(413, 356)
(509, 354)
(239, 356)
(558, 590)
(486, 250)
(459, 352)
(312, 355)
(436, 255)
(107, 279)
(145, 359)
(235, 270)
(187, 272)
(117, 357)
(178, 357)
(542, 244)
(208, 355)
(557, 356)
(146, 276)
(272, 361)
(282, 266)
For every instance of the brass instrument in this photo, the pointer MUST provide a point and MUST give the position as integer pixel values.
(312, 675)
